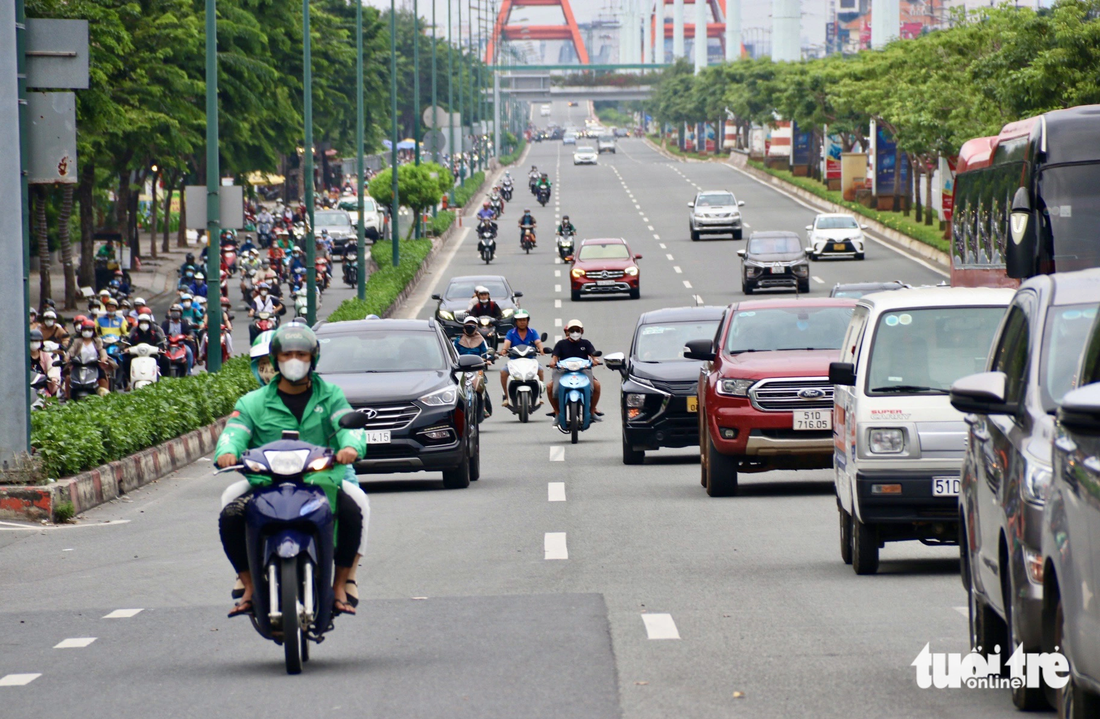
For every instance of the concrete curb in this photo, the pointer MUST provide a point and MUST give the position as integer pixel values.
(102, 484)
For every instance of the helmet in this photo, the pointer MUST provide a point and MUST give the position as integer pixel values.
(87, 325)
(127, 304)
(104, 293)
(293, 337)
(262, 348)
(574, 323)
(485, 204)
(176, 308)
(49, 302)
(565, 218)
(522, 315)
(185, 297)
(527, 210)
(79, 320)
(263, 286)
(470, 320)
(111, 302)
(481, 290)
(139, 301)
(373, 317)
(200, 276)
(145, 312)
(36, 335)
(34, 311)
(49, 315)
(190, 256)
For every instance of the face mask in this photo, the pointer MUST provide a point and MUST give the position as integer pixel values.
(174, 315)
(484, 302)
(120, 313)
(294, 370)
(35, 346)
(87, 334)
(263, 293)
(574, 336)
(186, 305)
(49, 323)
(143, 325)
(469, 329)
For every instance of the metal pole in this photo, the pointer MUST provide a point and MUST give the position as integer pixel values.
(213, 204)
(461, 94)
(360, 254)
(435, 94)
(475, 107)
(396, 203)
(451, 94)
(416, 102)
(307, 107)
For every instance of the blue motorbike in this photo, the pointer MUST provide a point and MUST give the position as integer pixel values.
(289, 535)
(574, 397)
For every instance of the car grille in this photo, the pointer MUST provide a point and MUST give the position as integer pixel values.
(784, 395)
(390, 451)
(676, 388)
(390, 416)
(604, 274)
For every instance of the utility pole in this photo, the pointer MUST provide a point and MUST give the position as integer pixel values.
(213, 203)
(360, 248)
(396, 203)
(451, 94)
(307, 157)
(733, 29)
(416, 103)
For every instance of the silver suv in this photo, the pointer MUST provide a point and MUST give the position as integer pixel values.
(606, 143)
(715, 212)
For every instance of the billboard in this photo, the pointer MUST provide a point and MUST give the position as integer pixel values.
(800, 146)
(889, 164)
(947, 186)
(833, 148)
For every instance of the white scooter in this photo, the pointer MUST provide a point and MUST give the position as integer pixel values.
(524, 388)
(144, 369)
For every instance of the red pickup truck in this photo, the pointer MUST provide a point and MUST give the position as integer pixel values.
(765, 401)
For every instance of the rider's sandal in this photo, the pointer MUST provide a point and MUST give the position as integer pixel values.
(241, 609)
(352, 590)
(348, 608)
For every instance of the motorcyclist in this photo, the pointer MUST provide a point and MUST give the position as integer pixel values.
(190, 311)
(111, 322)
(574, 345)
(265, 302)
(496, 201)
(297, 259)
(265, 222)
(533, 177)
(247, 245)
(472, 342)
(483, 305)
(527, 222)
(139, 302)
(520, 334)
(145, 332)
(297, 399)
(487, 216)
(52, 330)
(42, 361)
(198, 287)
(543, 184)
(189, 265)
(507, 181)
(565, 227)
(88, 347)
(177, 324)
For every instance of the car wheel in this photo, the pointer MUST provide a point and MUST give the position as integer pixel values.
(845, 535)
(804, 287)
(746, 288)
(737, 234)
(1073, 700)
(987, 630)
(860, 255)
(694, 235)
(475, 460)
(575, 295)
(636, 292)
(631, 455)
(1025, 698)
(458, 477)
(721, 472)
(864, 547)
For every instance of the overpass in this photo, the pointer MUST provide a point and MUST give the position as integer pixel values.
(537, 87)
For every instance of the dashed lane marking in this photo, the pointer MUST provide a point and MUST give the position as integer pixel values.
(557, 304)
(555, 492)
(74, 643)
(553, 545)
(687, 284)
(662, 246)
(123, 613)
(670, 257)
(557, 453)
(557, 338)
(557, 288)
(818, 280)
(557, 273)
(660, 626)
(965, 611)
(677, 269)
(650, 227)
(19, 680)
(557, 321)
(699, 299)
(656, 237)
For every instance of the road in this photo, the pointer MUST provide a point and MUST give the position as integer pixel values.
(665, 602)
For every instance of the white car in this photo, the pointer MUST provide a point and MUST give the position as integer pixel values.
(837, 235)
(585, 154)
(545, 111)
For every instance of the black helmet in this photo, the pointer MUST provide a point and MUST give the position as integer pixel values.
(190, 256)
(565, 218)
(293, 337)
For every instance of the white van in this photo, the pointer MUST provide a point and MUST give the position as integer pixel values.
(899, 443)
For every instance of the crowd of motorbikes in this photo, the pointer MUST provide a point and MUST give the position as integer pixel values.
(493, 209)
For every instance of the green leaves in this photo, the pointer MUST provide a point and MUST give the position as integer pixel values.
(387, 282)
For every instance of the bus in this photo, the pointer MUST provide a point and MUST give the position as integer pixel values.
(1027, 201)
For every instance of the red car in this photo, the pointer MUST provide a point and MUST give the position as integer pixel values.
(765, 401)
(604, 266)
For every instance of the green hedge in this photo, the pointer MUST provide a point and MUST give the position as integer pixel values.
(78, 436)
(443, 220)
(928, 234)
(469, 188)
(514, 155)
(385, 284)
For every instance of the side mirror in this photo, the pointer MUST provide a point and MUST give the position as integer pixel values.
(741, 253)
(740, 203)
(1080, 410)
(637, 257)
(691, 204)
(842, 373)
(353, 420)
(616, 361)
(470, 363)
(863, 226)
(517, 294)
(598, 353)
(1020, 252)
(809, 227)
(547, 351)
(437, 298)
(699, 350)
(544, 336)
(982, 393)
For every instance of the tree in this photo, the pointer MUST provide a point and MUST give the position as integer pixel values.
(416, 187)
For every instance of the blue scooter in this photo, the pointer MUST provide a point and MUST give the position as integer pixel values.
(289, 535)
(574, 397)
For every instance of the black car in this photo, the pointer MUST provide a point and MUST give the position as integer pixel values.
(856, 290)
(455, 301)
(659, 403)
(402, 374)
(774, 259)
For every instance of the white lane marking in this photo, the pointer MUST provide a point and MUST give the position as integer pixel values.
(965, 611)
(557, 304)
(557, 338)
(123, 614)
(555, 492)
(553, 545)
(677, 269)
(74, 643)
(699, 299)
(557, 321)
(650, 227)
(557, 453)
(646, 220)
(669, 256)
(747, 225)
(656, 237)
(637, 206)
(557, 288)
(13, 527)
(662, 245)
(660, 626)
(557, 273)
(687, 284)
(818, 280)
(557, 261)
(17, 680)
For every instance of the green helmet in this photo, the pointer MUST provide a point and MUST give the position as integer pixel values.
(294, 337)
(262, 348)
(521, 315)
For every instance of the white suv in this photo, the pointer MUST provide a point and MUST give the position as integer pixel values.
(837, 235)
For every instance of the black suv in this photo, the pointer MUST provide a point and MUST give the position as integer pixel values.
(402, 374)
(658, 402)
(1006, 473)
(774, 259)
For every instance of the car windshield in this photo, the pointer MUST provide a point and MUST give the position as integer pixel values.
(368, 205)
(854, 293)
(787, 328)
(773, 245)
(332, 219)
(837, 223)
(607, 138)
(585, 148)
(613, 251)
(929, 348)
(665, 342)
(400, 351)
(715, 199)
(464, 289)
(1067, 328)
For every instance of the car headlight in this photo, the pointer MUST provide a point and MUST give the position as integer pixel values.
(577, 272)
(440, 398)
(1037, 482)
(886, 441)
(632, 271)
(735, 387)
(802, 269)
(635, 400)
(508, 312)
(446, 315)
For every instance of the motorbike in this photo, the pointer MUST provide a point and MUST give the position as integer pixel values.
(565, 246)
(144, 369)
(524, 388)
(229, 257)
(322, 273)
(290, 528)
(226, 338)
(477, 391)
(115, 346)
(351, 271)
(574, 397)
(486, 243)
(248, 281)
(543, 195)
(176, 354)
(497, 205)
(506, 193)
(533, 182)
(301, 302)
(487, 326)
(527, 241)
(83, 377)
(263, 322)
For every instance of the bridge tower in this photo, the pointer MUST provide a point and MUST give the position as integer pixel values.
(714, 29)
(503, 31)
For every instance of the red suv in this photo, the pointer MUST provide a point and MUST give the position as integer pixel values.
(603, 266)
(765, 401)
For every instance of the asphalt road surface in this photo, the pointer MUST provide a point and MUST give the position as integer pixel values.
(562, 584)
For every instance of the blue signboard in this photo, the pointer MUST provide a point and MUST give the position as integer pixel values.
(800, 146)
(887, 162)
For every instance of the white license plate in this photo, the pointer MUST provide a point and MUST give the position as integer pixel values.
(813, 419)
(378, 436)
(945, 486)
(776, 270)
(604, 283)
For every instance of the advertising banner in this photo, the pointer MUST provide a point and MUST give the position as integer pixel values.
(800, 146)
(947, 186)
(833, 149)
(889, 164)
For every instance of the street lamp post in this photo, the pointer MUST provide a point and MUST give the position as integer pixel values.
(396, 203)
(360, 247)
(307, 157)
(416, 101)
(213, 205)
(451, 94)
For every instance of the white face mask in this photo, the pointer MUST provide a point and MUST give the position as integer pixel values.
(294, 370)
(87, 334)
(574, 335)
(35, 346)
(143, 325)
(49, 322)
(186, 305)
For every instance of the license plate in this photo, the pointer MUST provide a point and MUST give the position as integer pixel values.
(378, 436)
(776, 270)
(945, 486)
(604, 283)
(813, 419)
(693, 404)
(838, 246)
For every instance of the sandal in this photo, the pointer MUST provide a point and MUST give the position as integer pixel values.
(352, 590)
(241, 609)
(339, 608)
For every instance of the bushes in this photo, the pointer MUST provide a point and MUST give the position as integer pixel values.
(514, 155)
(78, 436)
(443, 220)
(385, 284)
(469, 188)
